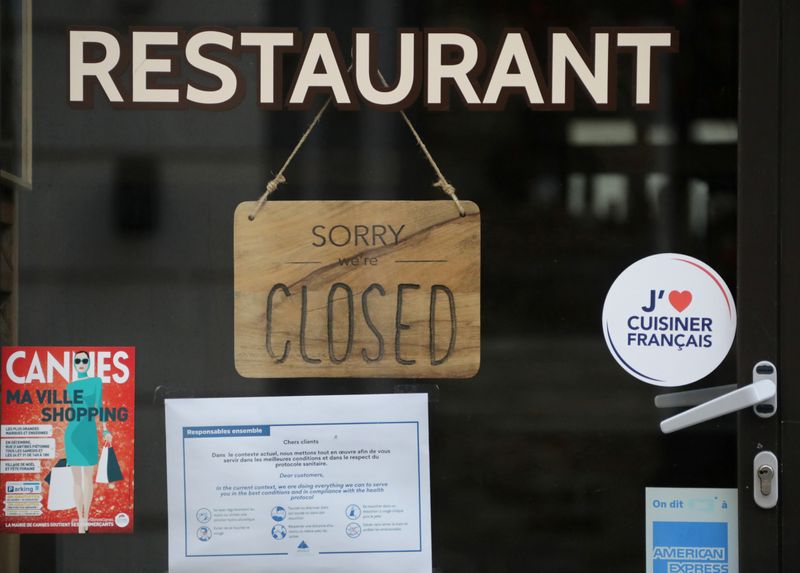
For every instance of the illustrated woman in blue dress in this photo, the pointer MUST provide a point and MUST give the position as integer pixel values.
(80, 437)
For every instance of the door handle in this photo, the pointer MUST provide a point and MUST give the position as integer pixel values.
(761, 394)
(692, 397)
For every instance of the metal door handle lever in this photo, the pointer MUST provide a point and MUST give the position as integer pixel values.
(761, 394)
(692, 397)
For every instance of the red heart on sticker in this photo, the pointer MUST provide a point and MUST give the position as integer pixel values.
(680, 299)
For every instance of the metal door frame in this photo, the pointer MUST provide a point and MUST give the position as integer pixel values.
(769, 271)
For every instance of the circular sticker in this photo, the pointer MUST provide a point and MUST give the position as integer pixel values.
(669, 319)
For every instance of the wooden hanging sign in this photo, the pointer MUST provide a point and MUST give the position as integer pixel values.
(357, 289)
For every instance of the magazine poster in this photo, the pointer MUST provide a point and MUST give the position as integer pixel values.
(67, 439)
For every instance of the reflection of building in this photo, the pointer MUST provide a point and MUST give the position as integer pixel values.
(129, 235)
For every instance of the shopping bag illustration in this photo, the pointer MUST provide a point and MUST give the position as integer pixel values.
(59, 464)
(60, 494)
(102, 467)
(108, 470)
(114, 471)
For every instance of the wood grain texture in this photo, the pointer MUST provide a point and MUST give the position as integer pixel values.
(421, 254)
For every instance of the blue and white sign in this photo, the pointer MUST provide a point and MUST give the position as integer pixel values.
(299, 484)
(669, 320)
(692, 530)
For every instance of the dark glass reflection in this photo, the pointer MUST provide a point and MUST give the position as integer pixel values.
(539, 463)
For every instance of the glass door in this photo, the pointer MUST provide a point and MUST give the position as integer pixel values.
(541, 462)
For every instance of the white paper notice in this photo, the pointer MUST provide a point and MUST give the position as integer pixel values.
(692, 530)
(299, 484)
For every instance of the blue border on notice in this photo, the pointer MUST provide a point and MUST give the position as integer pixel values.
(419, 492)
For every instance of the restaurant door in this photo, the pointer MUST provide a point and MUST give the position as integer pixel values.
(541, 462)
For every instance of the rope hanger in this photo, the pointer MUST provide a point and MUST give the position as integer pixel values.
(279, 178)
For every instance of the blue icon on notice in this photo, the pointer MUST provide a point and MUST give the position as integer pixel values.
(278, 532)
(278, 513)
(353, 511)
(303, 545)
(204, 534)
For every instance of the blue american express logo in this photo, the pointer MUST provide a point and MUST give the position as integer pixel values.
(690, 547)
